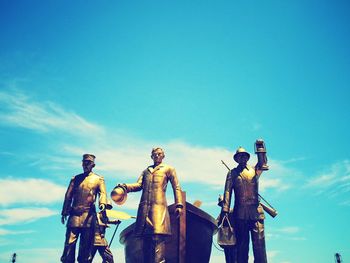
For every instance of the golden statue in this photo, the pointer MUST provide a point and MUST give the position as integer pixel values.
(248, 215)
(100, 241)
(79, 205)
(153, 222)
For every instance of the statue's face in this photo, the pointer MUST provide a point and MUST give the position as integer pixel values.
(242, 158)
(87, 166)
(157, 156)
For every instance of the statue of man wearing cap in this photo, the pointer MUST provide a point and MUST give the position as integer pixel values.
(248, 214)
(79, 207)
(153, 221)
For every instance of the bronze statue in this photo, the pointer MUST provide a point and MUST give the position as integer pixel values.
(100, 242)
(248, 215)
(153, 222)
(79, 205)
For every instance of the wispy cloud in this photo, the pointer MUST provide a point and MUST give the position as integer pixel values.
(193, 163)
(288, 230)
(285, 233)
(18, 109)
(29, 191)
(5, 242)
(120, 154)
(345, 203)
(24, 215)
(333, 182)
(271, 255)
(297, 238)
(5, 232)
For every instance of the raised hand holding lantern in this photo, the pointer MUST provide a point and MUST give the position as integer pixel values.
(260, 151)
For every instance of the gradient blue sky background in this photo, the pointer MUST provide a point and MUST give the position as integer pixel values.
(198, 78)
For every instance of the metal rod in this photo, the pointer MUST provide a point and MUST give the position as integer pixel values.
(115, 231)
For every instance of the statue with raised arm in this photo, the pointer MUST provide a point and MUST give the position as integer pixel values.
(153, 221)
(79, 207)
(248, 215)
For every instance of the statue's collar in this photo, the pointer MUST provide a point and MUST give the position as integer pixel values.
(152, 169)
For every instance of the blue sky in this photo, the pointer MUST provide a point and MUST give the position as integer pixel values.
(198, 78)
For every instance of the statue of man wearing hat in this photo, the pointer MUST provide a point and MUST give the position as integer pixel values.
(153, 221)
(248, 214)
(100, 241)
(79, 207)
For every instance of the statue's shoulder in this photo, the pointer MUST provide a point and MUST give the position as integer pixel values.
(166, 165)
(97, 176)
(170, 170)
(77, 176)
(147, 170)
(234, 173)
(76, 179)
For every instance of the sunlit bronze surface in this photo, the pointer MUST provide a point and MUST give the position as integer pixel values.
(79, 206)
(119, 195)
(153, 210)
(248, 215)
(153, 215)
(80, 198)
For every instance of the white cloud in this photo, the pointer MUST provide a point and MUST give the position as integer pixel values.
(192, 163)
(24, 215)
(34, 191)
(323, 180)
(4, 242)
(337, 174)
(333, 182)
(5, 232)
(20, 110)
(280, 176)
(273, 183)
(271, 255)
(285, 233)
(198, 164)
(289, 230)
(297, 238)
(120, 154)
(132, 203)
(345, 203)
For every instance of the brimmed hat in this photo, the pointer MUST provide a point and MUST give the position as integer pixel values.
(89, 157)
(240, 151)
(119, 195)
